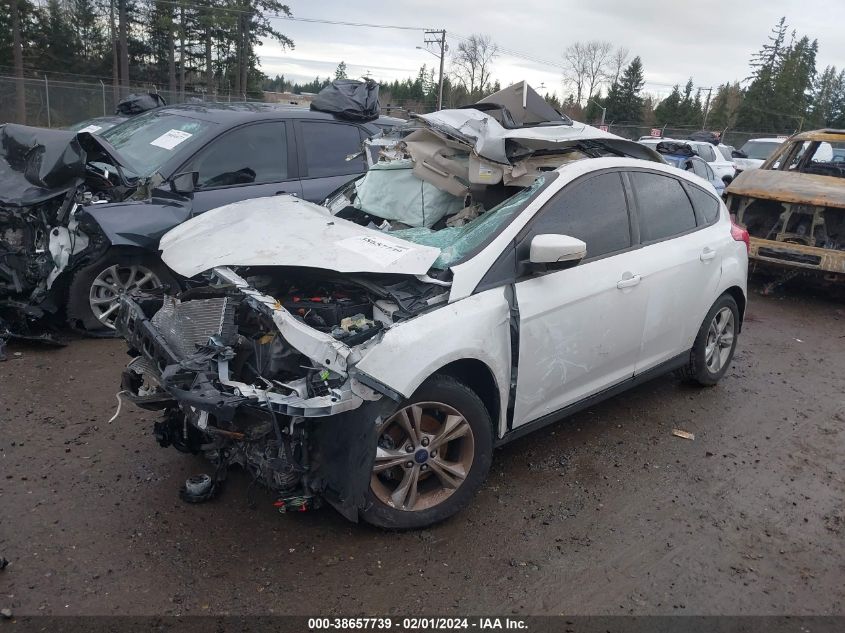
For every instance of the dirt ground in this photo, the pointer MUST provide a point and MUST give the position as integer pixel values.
(605, 513)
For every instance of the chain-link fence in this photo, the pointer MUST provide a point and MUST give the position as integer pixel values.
(55, 103)
(736, 138)
(58, 103)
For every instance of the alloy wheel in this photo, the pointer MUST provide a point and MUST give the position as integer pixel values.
(114, 281)
(720, 338)
(425, 451)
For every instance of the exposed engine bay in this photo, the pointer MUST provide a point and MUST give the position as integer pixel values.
(216, 360)
(47, 180)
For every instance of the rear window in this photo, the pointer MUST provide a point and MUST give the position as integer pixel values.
(706, 152)
(327, 147)
(760, 150)
(705, 204)
(663, 206)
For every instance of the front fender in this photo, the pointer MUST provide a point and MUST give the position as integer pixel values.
(140, 224)
(477, 327)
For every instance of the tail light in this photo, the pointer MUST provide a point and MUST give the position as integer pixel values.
(740, 234)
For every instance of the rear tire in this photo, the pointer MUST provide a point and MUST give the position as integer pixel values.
(713, 349)
(427, 473)
(95, 289)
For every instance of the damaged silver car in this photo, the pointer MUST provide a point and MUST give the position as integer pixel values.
(490, 274)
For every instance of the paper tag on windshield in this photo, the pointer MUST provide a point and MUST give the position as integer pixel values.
(91, 128)
(171, 139)
(375, 249)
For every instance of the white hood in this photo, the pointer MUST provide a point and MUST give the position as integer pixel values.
(287, 231)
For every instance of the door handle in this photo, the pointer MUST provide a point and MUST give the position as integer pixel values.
(628, 281)
(707, 254)
(286, 193)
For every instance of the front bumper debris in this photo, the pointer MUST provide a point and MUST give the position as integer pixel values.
(201, 381)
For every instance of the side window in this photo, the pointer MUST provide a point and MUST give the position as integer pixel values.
(664, 209)
(594, 211)
(699, 168)
(706, 152)
(252, 154)
(706, 204)
(326, 147)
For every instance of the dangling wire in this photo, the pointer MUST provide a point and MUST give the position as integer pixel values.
(122, 392)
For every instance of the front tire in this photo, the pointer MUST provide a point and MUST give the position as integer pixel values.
(95, 290)
(434, 452)
(713, 349)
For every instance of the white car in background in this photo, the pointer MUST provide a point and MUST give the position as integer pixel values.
(721, 166)
(756, 151)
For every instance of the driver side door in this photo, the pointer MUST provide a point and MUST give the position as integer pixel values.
(251, 161)
(580, 329)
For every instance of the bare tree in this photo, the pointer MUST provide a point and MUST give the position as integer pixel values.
(598, 56)
(575, 69)
(586, 67)
(472, 63)
(17, 54)
(618, 61)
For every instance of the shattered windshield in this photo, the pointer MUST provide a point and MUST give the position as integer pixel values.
(149, 140)
(456, 243)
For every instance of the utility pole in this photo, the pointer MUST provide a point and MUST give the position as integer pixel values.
(706, 106)
(439, 38)
(603, 111)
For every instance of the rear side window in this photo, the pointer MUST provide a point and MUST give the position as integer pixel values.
(706, 204)
(699, 168)
(252, 154)
(595, 211)
(706, 152)
(664, 209)
(327, 146)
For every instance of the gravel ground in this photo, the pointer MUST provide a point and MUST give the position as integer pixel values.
(605, 513)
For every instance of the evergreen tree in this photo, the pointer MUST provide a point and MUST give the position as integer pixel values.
(340, 71)
(624, 102)
(724, 106)
(667, 111)
(754, 113)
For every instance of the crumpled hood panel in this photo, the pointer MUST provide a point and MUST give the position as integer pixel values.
(37, 164)
(287, 231)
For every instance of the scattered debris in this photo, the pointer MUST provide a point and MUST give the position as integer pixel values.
(684, 434)
(3, 563)
(6, 613)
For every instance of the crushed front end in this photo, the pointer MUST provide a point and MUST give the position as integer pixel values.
(48, 180)
(268, 384)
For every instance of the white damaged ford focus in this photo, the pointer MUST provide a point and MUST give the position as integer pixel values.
(486, 277)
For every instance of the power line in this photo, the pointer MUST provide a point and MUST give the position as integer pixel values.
(291, 18)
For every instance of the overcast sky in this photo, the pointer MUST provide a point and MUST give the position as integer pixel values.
(710, 40)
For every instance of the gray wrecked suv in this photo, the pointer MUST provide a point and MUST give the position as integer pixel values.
(371, 352)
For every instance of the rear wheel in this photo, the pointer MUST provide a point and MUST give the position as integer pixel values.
(433, 454)
(95, 291)
(714, 345)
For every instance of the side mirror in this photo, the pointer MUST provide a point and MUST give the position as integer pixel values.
(184, 183)
(738, 154)
(554, 252)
